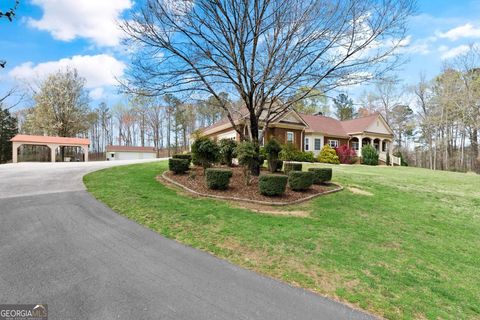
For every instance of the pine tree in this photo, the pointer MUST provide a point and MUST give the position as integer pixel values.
(344, 107)
(8, 129)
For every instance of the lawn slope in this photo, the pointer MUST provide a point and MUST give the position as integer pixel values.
(404, 244)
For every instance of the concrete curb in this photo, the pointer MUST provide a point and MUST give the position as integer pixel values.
(273, 203)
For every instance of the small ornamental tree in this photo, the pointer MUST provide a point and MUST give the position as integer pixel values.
(205, 152)
(346, 155)
(227, 151)
(247, 157)
(369, 155)
(272, 149)
(328, 155)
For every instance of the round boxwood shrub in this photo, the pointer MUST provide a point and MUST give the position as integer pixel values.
(300, 180)
(178, 165)
(288, 166)
(321, 175)
(186, 156)
(218, 179)
(272, 184)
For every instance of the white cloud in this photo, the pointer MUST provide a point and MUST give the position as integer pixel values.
(467, 30)
(453, 52)
(97, 93)
(99, 70)
(95, 20)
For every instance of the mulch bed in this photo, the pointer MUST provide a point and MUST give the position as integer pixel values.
(195, 181)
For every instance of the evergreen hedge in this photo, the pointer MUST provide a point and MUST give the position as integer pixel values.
(178, 165)
(321, 175)
(300, 180)
(218, 179)
(288, 166)
(186, 156)
(272, 184)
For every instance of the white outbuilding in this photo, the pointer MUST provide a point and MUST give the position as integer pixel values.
(130, 153)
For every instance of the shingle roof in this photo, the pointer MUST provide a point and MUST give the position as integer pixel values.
(359, 124)
(130, 149)
(48, 139)
(325, 125)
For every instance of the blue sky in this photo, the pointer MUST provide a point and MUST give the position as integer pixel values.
(50, 34)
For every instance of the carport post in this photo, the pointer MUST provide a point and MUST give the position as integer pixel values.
(53, 149)
(15, 146)
(85, 153)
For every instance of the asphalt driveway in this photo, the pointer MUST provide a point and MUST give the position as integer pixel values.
(60, 246)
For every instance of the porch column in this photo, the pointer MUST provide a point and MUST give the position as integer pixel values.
(372, 143)
(15, 146)
(360, 141)
(380, 147)
(85, 153)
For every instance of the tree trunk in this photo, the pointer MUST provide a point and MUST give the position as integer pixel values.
(255, 168)
(474, 145)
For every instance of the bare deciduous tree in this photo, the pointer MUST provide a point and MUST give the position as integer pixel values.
(262, 51)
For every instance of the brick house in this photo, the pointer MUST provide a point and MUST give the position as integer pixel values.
(312, 132)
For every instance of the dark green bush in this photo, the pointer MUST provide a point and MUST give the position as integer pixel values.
(275, 165)
(321, 175)
(369, 155)
(178, 165)
(186, 156)
(272, 149)
(218, 179)
(205, 152)
(272, 184)
(300, 180)
(227, 151)
(288, 166)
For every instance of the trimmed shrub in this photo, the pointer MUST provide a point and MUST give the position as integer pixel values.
(218, 179)
(292, 167)
(178, 165)
(247, 157)
(275, 165)
(291, 153)
(300, 180)
(272, 184)
(205, 152)
(346, 155)
(272, 149)
(321, 175)
(328, 155)
(369, 155)
(186, 156)
(227, 151)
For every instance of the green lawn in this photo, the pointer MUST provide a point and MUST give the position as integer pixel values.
(410, 250)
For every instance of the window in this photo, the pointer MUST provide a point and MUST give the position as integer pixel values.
(355, 145)
(307, 144)
(333, 143)
(113, 155)
(318, 144)
(290, 137)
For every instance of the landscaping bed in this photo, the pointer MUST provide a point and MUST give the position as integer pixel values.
(194, 181)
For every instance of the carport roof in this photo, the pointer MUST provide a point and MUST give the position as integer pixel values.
(48, 139)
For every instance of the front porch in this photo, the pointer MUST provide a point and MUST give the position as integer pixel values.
(381, 144)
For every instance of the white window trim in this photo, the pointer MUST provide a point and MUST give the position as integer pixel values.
(315, 144)
(293, 137)
(332, 140)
